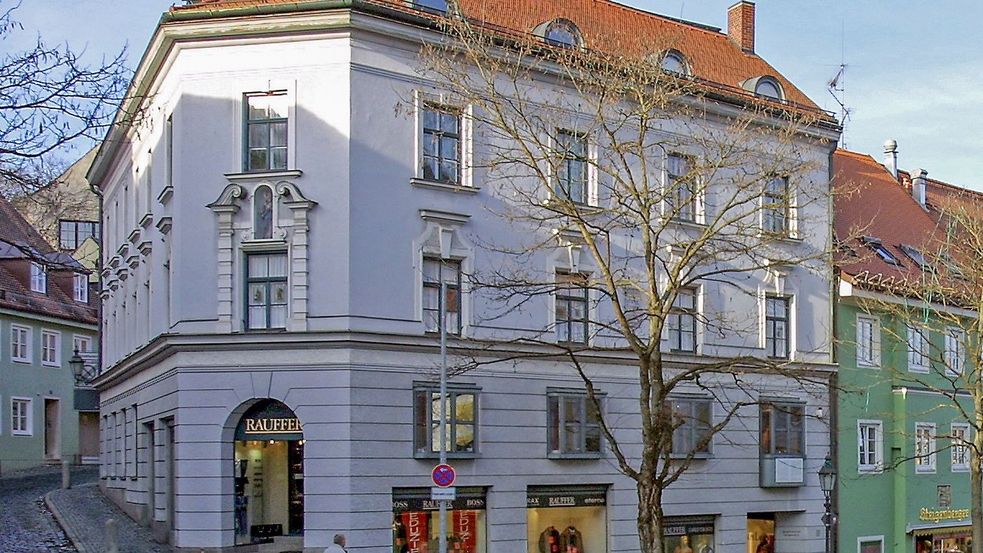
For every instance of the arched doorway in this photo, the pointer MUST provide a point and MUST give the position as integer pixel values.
(268, 473)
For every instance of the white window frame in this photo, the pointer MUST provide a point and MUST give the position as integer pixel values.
(955, 449)
(16, 346)
(696, 199)
(28, 417)
(78, 338)
(56, 361)
(465, 132)
(878, 464)
(588, 299)
(561, 449)
(39, 278)
(591, 197)
(954, 355)
(868, 346)
(80, 287)
(919, 347)
(928, 463)
(870, 539)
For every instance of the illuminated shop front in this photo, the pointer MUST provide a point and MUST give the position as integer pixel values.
(761, 533)
(416, 525)
(269, 474)
(567, 519)
(943, 530)
(688, 535)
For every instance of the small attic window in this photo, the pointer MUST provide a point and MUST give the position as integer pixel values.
(768, 87)
(917, 256)
(674, 62)
(563, 33)
(435, 6)
(881, 250)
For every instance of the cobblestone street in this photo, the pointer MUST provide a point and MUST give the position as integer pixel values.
(26, 526)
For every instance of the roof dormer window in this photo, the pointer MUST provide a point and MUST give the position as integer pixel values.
(39, 278)
(562, 33)
(435, 6)
(768, 87)
(674, 62)
(881, 250)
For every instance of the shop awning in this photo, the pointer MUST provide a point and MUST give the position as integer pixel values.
(942, 530)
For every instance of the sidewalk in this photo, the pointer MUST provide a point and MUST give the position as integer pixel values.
(82, 512)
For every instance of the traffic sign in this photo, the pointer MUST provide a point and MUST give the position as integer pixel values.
(443, 494)
(443, 476)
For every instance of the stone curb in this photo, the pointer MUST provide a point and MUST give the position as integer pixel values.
(69, 531)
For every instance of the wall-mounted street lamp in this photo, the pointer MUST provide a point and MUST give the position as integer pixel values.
(83, 374)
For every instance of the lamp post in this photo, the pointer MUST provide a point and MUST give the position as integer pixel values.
(827, 482)
(78, 368)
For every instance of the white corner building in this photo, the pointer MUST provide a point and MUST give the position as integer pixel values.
(272, 232)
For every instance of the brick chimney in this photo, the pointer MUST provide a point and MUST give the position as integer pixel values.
(740, 24)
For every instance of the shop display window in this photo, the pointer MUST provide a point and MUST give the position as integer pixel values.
(416, 525)
(567, 519)
(688, 535)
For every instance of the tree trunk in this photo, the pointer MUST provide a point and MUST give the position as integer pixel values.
(650, 517)
(976, 492)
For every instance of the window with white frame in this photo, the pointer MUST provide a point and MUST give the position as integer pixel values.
(50, 348)
(441, 148)
(571, 308)
(266, 279)
(20, 344)
(81, 344)
(959, 449)
(680, 189)
(777, 325)
(573, 425)
(870, 446)
(918, 349)
(39, 278)
(954, 354)
(21, 417)
(572, 167)
(868, 341)
(80, 287)
(450, 270)
(692, 420)
(682, 321)
(925, 453)
(461, 413)
(266, 131)
(870, 544)
(775, 206)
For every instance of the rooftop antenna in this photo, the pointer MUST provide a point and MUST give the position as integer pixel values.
(837, 86)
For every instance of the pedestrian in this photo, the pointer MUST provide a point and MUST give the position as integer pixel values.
(338, 546)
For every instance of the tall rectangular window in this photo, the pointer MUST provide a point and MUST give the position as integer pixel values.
(960, 436)
(870, 448)
(573, 425)
(461, 414)
(682, 321)
(571, 308)
(782, 429)
(433, 268)
(774, 206)
(20, 344)
(266, 131)
(777, 327)
(925, 447)
(918, 349)
(692, 419)
(266, 281)
(80, 287)
(870, 544)
(21, 417)
(441, 144)
(169, 161)
(50, 348)
(81, 344)
(679, 188)
(39, 278)
(71, 234)
(955, 351)
(571, 176)
(868, 342)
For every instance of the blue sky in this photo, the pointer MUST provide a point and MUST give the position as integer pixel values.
(913, 67)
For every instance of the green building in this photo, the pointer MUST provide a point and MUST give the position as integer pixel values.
(903, 481)
(47, 313)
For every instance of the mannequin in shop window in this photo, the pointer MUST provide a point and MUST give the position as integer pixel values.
(549, 541)
(571, 540)
(683, 546)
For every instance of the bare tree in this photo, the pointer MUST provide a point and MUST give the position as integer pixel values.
(50, 99)
(650, 183)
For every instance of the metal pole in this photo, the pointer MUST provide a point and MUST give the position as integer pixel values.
(442, 537)
(827, 520)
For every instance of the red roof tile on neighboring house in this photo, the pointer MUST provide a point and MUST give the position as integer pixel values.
(605, 25)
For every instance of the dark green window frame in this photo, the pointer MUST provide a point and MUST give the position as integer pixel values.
(265, 138)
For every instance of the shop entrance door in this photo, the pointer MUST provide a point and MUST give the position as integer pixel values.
(268, 468)
(761, 533)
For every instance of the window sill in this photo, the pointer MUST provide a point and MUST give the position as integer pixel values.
(869, 471)
(51, 365)
(272, 244)
(259, 175)
(574, 456)
(919, 370)
(960, 469)
(868, 365)
(21, 434)
(435, 455)
(447, 187)
(788, 239)
(264, 330)
(924, 471)
(697, 457)
(21, 361)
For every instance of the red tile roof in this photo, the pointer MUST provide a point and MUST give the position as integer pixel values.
(605, 25)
